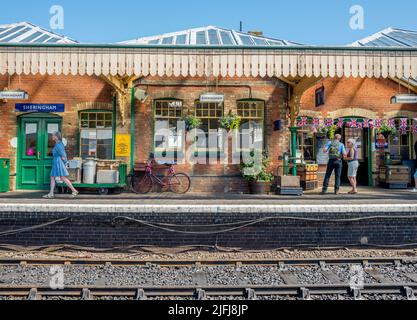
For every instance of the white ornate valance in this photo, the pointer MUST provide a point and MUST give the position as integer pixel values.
(139, 61)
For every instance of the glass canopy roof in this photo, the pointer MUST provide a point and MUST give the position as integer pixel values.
(25, 32)
(390, 37)
(211, 36)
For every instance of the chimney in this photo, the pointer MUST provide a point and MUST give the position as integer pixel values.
(257, 33)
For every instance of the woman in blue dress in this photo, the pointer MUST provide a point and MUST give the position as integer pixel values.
(58, 166)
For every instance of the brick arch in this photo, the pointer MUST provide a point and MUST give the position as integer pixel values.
(401, 114)
(310, 113)
(93, 105)
(353, 112)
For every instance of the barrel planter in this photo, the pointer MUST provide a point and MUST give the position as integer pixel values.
(260, 187)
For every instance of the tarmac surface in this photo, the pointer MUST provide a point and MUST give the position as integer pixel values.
(366, 195)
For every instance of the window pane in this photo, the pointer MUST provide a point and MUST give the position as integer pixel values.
(181, 39)
(104, 151)
(104, 136)
(226, 38)
(246, 40)
(213, 38)
(201, 37)
(51, 128)
(31, 130)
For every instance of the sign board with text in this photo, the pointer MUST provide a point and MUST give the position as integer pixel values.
(40, 107)
(122, 145)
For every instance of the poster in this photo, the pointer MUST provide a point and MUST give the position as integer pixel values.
(321, 156)
(381, 142)
(122, 145)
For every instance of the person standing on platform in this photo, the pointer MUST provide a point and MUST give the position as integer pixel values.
(58, 167)
(337, 152)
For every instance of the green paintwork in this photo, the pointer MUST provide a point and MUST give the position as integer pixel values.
(132, 131)
(207, 48)
(4, 174)
(33, 171)
(294, 150)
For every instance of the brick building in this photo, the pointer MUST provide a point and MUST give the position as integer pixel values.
(260, 81)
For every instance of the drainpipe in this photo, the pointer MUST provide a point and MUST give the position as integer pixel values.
(132, 130)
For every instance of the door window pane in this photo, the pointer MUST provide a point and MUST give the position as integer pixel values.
(31, 130)
(51, 128)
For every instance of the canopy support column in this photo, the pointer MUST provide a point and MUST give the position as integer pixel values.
(296, 92)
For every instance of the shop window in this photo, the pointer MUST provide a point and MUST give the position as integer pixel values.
(96, 134)
(209, 113)
(306, 141)
(252, 124)
(167, 114)
(400, 144)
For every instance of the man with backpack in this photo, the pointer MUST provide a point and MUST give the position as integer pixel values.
(337, 152)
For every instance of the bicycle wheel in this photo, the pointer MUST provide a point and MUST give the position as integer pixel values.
(179, 183)
(141, 184)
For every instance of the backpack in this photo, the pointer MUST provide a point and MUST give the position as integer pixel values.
(334, 150)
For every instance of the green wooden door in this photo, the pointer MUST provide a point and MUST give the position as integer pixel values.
(35, 151)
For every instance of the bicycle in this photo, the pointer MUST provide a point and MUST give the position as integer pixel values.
(175, 182)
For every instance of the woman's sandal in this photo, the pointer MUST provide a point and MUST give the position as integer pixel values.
(48, 196)
(75, 194)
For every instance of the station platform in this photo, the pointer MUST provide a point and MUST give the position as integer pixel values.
(366, 196)
(374, 217)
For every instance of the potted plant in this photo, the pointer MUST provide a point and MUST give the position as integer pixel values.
(257, 174)
(326, 132)
(230, 122)
(386, 130)
(191, 122)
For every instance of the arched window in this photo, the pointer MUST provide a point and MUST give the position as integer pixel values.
(167, 113)
(400, 145)
(306, 141)
(209, 113)
(251, 129)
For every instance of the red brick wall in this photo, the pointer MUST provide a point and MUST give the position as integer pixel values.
(76, 92)
(369, 94)
(273, 92)
(359, 97)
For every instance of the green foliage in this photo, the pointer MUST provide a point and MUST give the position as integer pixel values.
(386, 130)
(327, 132)
(230, 121)
(191, 122)
(257, 168)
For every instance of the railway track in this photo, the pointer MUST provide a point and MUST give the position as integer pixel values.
(304, 292)
(235, 262)
(291, 286)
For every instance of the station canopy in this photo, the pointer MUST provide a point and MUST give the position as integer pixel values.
(25, 32)
(212, 36)
(208, 51)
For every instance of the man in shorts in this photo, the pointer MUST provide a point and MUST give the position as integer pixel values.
(337, 152)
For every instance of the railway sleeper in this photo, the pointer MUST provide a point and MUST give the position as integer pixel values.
(250, 294)
(86, 294)
(200, 294)
(140, 295)
(304, 293)
(409, 293)
(33, 294)
(356, 293)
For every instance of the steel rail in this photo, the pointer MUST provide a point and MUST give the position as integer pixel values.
(207, 262)
(202, 292)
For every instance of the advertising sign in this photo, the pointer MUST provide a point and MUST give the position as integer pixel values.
(122, 145)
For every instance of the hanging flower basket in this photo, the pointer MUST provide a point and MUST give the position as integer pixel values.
(191, 122)
(386, 131)
(230, 122)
